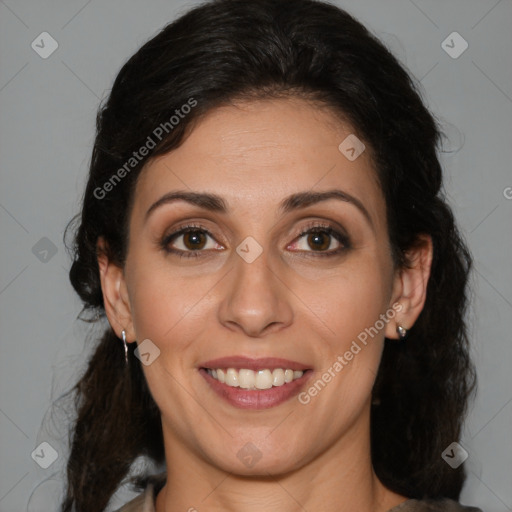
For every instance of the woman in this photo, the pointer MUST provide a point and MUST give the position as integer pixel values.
(264, 228)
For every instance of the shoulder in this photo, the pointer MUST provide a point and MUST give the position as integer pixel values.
(138, 504)
(430, 505)
(145, 502)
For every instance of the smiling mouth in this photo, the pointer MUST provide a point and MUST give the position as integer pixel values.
(255, 379)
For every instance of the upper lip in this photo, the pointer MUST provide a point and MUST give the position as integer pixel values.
(248, 363)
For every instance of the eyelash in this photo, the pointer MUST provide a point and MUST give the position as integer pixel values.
(313, 227)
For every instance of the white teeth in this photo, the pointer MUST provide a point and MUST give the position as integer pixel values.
(249, 379)
(263, 379)
(278, 375)
(246, 379)
(231, 378)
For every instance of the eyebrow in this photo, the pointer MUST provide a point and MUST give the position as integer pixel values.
(215, 203)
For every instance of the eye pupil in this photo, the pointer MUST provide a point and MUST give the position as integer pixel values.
(194, 237)
(316, 238)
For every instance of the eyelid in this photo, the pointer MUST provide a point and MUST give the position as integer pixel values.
(320, 224)
(185, 228)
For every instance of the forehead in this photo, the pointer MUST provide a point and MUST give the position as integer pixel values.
(255, 153)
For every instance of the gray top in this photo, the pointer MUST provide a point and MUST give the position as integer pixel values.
(145, 502)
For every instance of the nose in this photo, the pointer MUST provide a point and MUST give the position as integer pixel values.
(256, 298)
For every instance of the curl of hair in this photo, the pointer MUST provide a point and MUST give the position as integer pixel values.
(227, 50)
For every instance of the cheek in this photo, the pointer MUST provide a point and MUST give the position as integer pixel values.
(161, 299)
(349, 304)
(338, 302)
(348, 299)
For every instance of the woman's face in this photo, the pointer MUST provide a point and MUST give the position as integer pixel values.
(261, 277)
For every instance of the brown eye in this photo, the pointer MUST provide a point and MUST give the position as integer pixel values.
(194, 239)
(319, 240)
(189, 241)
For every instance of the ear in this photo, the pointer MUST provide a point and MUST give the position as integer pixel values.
(115, 293)
(410, 286)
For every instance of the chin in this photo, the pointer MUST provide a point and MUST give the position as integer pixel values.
(250, 460)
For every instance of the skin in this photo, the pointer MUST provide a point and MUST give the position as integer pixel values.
(287, 303)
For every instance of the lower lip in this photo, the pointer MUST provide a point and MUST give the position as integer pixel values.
(256, 399)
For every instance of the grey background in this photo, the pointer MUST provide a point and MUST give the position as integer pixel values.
(48, 108)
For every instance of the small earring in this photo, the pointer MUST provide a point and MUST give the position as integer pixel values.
(123, 334)
(401, 331)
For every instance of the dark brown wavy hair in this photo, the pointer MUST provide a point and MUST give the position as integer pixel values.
(225, 50)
